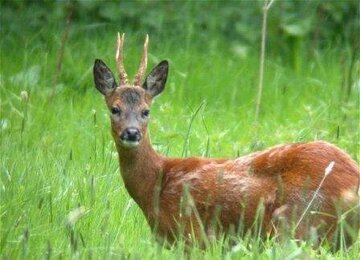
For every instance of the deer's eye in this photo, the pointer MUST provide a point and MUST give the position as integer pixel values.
(115, 111)
(145, 113)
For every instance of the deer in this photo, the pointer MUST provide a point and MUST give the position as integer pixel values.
(198, 199)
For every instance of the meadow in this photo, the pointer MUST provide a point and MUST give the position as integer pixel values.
(61, 195)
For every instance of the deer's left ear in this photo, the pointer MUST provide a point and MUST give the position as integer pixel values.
(155, 82)
(103, 78)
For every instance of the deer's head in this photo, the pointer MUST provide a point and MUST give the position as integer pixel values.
(129, 104)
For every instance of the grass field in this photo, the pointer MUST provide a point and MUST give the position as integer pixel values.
(60, 188)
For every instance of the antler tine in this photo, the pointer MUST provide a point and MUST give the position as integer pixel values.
(119, 59)
(143, 64)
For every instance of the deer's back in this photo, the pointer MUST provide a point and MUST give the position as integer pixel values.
(284, 178)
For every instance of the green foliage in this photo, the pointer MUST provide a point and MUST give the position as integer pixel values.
(320, 23)
(60, 190)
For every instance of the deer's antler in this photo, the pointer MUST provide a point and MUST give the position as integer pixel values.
(143, 63)
(119, 59)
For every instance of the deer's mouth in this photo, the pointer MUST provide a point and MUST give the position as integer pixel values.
(130, 137)
(129, 144)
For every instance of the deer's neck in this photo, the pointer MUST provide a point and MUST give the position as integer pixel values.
(140, 169)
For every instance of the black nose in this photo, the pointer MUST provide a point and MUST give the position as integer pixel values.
(131, 134)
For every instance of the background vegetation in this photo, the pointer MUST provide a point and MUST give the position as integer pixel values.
(60, 191)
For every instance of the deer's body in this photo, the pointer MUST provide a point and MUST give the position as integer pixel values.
(203, 196)
(283, 178)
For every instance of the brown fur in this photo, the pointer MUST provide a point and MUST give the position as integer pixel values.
(228, 191)
(181, 197)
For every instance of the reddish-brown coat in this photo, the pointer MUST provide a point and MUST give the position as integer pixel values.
(204, 197)
(220, 193)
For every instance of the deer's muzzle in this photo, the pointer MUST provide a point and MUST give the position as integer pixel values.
(130, 137)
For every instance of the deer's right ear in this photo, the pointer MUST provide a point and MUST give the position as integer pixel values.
(103, 78)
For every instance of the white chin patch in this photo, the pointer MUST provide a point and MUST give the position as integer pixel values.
(130, 144)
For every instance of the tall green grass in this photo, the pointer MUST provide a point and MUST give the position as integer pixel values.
(60, 189)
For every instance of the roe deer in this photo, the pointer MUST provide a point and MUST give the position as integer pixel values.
(200, 198)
